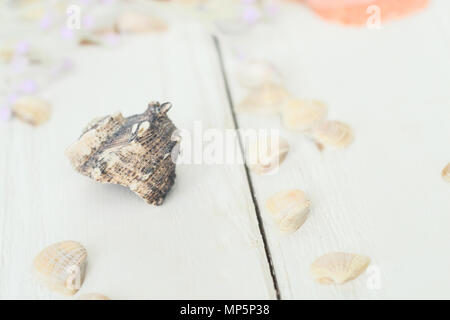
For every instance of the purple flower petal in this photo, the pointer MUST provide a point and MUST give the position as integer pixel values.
(5, 113)
(251, 14)
(28, 86)
(66, 33)
(22, 47)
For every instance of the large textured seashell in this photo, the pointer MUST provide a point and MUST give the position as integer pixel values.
(266, 154)
(333, 134)
(254, 73)
(33, 110)
(446, 173)
(302, 115)
(134, 22)
(61, 266)
(289, 209)
(267, 99)
(136, 152)
(93, 296)
(338, 267)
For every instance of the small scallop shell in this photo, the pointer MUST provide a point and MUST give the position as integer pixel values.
(33, 110)
(446, 173)
(266, 154)
(61, 266)
(267, 99)
(93, 296)
(134, 22)
(333, 134)
(338, 267)
(253, 74)
(289, 209)
(302, 115)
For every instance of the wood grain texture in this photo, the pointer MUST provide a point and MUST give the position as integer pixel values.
(203, 242)
(383, 196)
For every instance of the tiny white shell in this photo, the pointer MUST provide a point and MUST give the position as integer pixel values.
(446, 173)
(302, 115)
(266, 99)
(338, 267)
(333, 134)
(61, 266)
(93, 296)
(289, 209)
(254, 73)
(134, 22)
(266, 154)
(33, 110)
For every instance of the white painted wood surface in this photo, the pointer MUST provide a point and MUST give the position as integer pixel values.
(203, 242)
(382, 197)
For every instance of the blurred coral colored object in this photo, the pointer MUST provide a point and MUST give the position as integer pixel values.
(357, 12)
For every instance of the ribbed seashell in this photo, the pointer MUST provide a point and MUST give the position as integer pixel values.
(93, 296)
(137, 152)
(61, 266)
(338, 267)
(302, 115)
(255, 73)
(266, 99)
(289, 209)
(134, 22)
(33, 110)
(333, 134)
(446, 173)
(266, 154)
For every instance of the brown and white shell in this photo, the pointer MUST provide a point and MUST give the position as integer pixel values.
(137, 152)
(61, 267)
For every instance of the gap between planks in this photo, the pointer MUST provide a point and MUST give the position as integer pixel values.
(247, 173)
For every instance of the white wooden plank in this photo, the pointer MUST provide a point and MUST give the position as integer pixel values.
(383, 196)
(202, 243)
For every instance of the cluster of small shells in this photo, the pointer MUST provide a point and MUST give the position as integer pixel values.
(289, 209)
(269, 97)
(61, 267)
